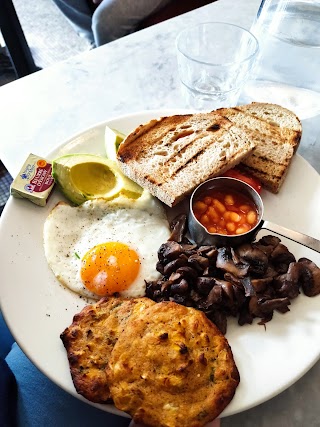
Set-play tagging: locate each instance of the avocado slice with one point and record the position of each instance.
(84, 177)
(112, 140)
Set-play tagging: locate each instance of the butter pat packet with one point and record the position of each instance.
(34, 181)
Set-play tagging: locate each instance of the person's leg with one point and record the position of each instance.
(79, 15)
(8, 393)
(116, 18)
(6, 339)
(42, 403)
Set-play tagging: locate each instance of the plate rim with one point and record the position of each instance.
(155, 113)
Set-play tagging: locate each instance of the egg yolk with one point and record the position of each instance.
(109, 267)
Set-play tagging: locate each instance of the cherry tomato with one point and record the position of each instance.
(236, 173)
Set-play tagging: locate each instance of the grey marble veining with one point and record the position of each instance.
(135, 73)
(138, 72)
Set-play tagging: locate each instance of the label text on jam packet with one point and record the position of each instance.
(34, 181)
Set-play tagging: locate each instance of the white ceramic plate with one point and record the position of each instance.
(37, 309)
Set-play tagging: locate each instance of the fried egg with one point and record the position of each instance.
(103, 247)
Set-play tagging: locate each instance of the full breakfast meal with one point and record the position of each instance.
(152, 337)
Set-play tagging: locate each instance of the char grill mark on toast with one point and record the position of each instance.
(182, 134)
(198, 136)
(183, 150)
(171, 156)
(130, 154)
(215, 127)
(260, 172)
(186, 130)
(194, 160)
(268, 127)
(266, 159)
(292, 135)
(276, 132)
(191, 160)
(175, 138)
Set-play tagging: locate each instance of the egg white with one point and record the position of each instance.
(69, 232)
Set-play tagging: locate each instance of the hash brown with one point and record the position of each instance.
(172, 367)
(89, 341)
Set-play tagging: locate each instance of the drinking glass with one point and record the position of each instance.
(214, 61)
(288, 65)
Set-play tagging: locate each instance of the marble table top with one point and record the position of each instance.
(137, 72)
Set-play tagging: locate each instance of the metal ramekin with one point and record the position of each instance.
(200, 235)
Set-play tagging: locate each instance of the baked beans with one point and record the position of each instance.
(228, 212)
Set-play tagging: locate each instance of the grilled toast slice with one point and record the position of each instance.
(287, 122)
(276, 133)
(172, 155)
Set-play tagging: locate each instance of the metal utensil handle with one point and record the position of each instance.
(303, 239)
